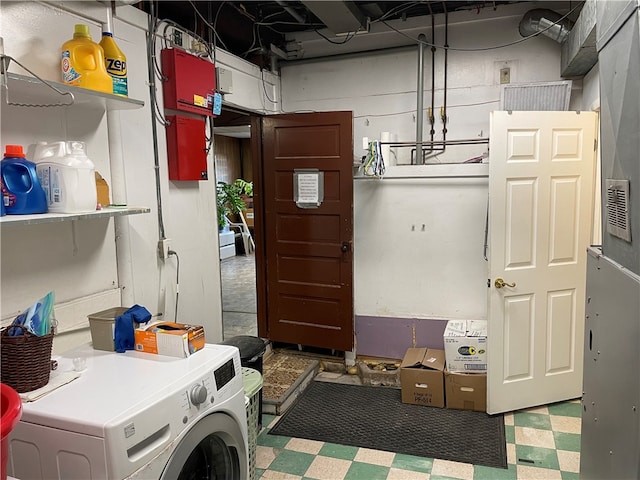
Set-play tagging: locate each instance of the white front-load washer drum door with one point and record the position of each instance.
(212, 449)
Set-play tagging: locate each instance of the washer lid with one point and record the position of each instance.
(115, 385)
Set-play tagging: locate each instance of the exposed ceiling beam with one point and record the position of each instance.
(338, 16)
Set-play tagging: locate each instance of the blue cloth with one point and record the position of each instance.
(124, 337)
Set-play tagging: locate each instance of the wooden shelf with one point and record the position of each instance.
(106, 212)
(26, 89)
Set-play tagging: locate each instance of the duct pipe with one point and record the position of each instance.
(420, 92)
(541, 20)
(290, 11)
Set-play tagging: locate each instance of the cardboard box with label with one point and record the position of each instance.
(465, 345)
(421, 377)
(168, 338)
(466, 391)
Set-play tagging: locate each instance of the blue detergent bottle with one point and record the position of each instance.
(22, 193)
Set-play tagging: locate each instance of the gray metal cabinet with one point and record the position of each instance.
(610, 419)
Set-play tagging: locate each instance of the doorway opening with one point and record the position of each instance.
(234, 176)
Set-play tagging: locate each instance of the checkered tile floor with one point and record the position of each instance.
(542, 443)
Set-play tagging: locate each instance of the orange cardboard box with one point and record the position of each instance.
(168, 338)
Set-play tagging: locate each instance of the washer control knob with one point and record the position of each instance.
(198, 394)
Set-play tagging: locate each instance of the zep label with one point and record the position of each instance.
(117, 68)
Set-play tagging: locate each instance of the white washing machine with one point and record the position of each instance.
(137, 416)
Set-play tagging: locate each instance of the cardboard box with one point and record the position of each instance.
(168, 338)
(465, 345)
(421, 377)
(466, 391)
(248, 217)
(102, 189)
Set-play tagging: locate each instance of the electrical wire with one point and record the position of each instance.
(264, 87)
(413, 111)
(395, 11)
(349, 36)
(208, 24)
(173, 253)
(483, 49)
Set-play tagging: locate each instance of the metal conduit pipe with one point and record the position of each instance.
(542, 20)
(433, 77)
(420, 93)
(446, 63)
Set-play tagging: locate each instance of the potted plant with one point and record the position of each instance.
(229, 199)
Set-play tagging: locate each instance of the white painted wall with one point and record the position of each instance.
(40, 258)
(402, 270)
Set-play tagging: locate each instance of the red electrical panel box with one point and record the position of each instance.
(186, 148)
(190, 82)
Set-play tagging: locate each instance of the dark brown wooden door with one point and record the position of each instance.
(308, 251)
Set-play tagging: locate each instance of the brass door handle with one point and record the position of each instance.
(499, 283)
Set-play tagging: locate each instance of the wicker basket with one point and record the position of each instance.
(26, 359)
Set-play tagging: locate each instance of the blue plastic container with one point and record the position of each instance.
(22, 193)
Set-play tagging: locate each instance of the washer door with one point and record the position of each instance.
(213, 449)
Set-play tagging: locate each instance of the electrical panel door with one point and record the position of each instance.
(186, 148)
(190, 82)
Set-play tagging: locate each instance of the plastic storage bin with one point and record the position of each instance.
(251, 351)
(102, 326)
(11, 413)
(252, 380)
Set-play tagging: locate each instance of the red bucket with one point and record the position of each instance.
(11, 413)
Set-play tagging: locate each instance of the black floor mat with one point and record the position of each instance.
(375, 417)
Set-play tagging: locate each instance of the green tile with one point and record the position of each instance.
(259, 473)
(567, 441)
(295, 463)
(415, 464)
(537, 456)
(510, 433)
(488, 473)
(275, 441)
(366, 471)
(532, 420)
(570, 476)
(333, 450)
(565, 408)
(267, 419)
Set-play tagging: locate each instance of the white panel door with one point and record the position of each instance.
(541, 192)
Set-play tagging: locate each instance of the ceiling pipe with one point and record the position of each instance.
(291, 11)
(541, 20)
(420, 93)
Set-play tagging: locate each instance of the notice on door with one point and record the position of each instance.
(308, 188)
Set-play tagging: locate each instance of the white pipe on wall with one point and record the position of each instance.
(420, 93)
(119, 197)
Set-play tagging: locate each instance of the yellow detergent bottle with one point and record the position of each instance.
(116, 64)
(83, 64)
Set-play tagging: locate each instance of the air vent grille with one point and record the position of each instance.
(541, 96)
(617, 208)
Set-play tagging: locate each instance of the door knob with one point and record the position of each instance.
(345, 247)
(499, 283)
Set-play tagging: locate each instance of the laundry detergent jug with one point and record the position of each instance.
(67, 176)
(82, 62)
(21, 190)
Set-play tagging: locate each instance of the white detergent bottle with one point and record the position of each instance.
(67, 176)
